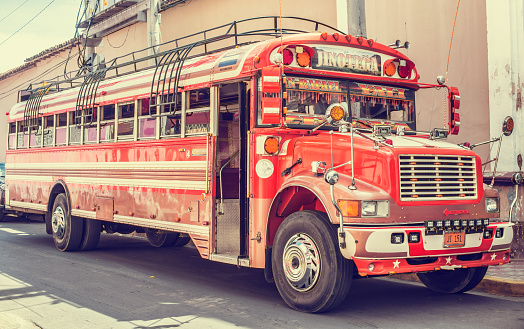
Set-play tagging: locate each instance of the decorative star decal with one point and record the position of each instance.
(396, 264)
(493, 256)
(448, 260)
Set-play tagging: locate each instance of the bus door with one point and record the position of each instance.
(230, 168)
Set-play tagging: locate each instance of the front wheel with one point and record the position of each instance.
(310, 273)
(456, 281)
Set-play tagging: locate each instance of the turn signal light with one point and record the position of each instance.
(337, 113)
(349, 208)
(271, 145)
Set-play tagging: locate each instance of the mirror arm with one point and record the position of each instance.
(496, 162)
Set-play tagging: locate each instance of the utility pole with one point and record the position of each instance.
(351, 17)
(153, 28)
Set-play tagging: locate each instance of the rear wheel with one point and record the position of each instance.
(159, 238)
(310, 273)
(456, 281)
(91, 237)
(67, 230)
(182, 240)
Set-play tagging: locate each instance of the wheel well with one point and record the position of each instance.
(288, 201)
(58, 188)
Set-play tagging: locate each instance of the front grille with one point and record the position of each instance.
(437, 177)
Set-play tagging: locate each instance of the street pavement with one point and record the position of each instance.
(125, 283)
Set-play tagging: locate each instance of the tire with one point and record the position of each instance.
(451, 282)
(159, 238)
(310, 273)
(181, 240)
(91, 236)
(67, 230)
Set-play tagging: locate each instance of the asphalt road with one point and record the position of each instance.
(125, 283)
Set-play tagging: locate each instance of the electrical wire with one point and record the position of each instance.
(451, 41)
(78, 19)
(123, 43)
(13, 11)
(9, 37)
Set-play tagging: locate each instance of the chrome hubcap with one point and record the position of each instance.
(58, 222)
(301, 262)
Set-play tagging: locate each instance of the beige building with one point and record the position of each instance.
(483, 60)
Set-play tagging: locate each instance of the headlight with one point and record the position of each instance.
(492, 205)
(369, 208)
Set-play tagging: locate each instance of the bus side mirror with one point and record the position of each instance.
(507, 126)
(271, 94)
(454, 117)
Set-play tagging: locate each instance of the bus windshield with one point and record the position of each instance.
(308, 100)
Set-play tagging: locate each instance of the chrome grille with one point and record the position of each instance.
(437, 177)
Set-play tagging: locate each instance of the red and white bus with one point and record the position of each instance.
(298, 154)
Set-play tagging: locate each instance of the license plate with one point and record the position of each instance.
(454, 239)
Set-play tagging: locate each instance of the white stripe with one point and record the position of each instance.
(83, 213)
(27, 205)
(30, 178)
(153, 165)
(271, 110)
(132, 182)
(179, 227)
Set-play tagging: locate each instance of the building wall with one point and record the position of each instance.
(427, 25)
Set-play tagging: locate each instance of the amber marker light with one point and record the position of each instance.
(360, 40)
(324, 35)
(303, 59)
(371, 42)
(337, 113)
(349, 208)
(335, 36)
(348, 38)
(271, 145)
(390, 69)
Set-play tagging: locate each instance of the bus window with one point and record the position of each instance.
(61, 129)
(146, 124)
(49, 130)
(170, 125)
(126, 121)
(107, 123)
(12, 135)
(197, 114)
(90, 130)
(74, 129)
(23, 136)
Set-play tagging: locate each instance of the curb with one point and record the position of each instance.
(11, 321)
(490, 284)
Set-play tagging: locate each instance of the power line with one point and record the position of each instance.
(9, 37)
(13, 11)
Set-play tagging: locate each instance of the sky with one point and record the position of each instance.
(53, 26)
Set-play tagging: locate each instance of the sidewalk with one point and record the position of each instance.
(505, 280)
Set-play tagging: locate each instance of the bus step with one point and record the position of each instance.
(229, 259)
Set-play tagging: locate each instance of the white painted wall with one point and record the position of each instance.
(505, 36)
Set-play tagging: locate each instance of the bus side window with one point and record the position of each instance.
(146, 123)
(12, 136)
(90, 130)
(75, 128)
(49, 130)
(126, 121)
(197, 114)
(61, 129)
(23, 136)
(107, 123)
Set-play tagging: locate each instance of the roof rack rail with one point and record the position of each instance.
(171, 59)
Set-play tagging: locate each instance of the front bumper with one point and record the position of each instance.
(373, 245)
